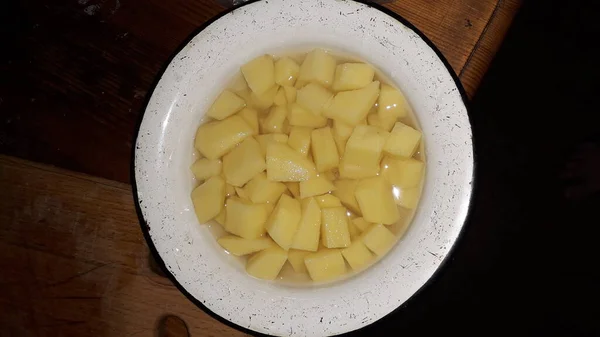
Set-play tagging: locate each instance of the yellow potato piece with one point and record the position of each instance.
(265, 100)
(226, 104)
(384, 123)
(376, 199)
(358, 255)
(245, 219)
(325, 265)
(309, 229)
(318, 67)
(239, 246)
(341, 134)
(298, 116)
(294, 188)
(275, 120)
(260, 73)
(283, 222)
(215, 139)
(334, 227)
(361, 223)
(313, 98)
(315, 186)
(324, 150)
(408, 197)
(241, 192)
(208, 198)
(378, 239)
(351, 107)
(290, 94)
(229, 190)
(391, 103)
(402, 172)
(243, 162)
(239, 83)
(264, 140)
(205, 168)
(352, 76)
(353, 230)
(345, 190)
(250, 116)
(296, 258)
(363, 153)
(403, 141)
(280, 99)
(286, 164)
(328, 201)
(286, 71)
(267, 263)
(261, 190)
(299, 139)
(222, 216)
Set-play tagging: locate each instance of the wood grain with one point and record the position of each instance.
(74, 261)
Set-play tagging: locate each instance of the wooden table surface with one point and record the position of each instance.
(74, 77)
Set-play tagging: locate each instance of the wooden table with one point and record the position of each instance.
(73, 80)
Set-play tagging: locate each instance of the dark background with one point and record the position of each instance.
(527, 262)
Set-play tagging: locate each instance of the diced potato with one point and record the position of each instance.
(299, 139)
(361, 223)
(290, 94)
(215, 139)
(403, 141)
(391, 103)
(353, 230)
(298, 116)
(318, 67)
(296, 258)
(334, 227)
(402, 172)
(286, 164)
(267, 263)
(260, 74)
(243, 162)
(363, 153)
(222, 216)
(376, 200)
(239, 246)
(324, 150)
(241, 192)
(245, 219)
(313, 98)
(286, 71)
(341, 133)
(250, 116)
(261, 190)
(274, 121)
(358, 255)
(265, 100)
(284, 221)
(205, 168)
(331, 175)
(408, 197)
(325, 265)
(280, 99)
(264, 140)
(384, 123)
(351, 107)
(309, 229)
(345, 190)
(352, 76)
(328, 201)
(208, 198)
(229, 190)
(315, 186)
(225, 105)
(239, 83)
(294, 188)
(378, 239)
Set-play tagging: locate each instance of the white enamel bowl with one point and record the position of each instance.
(164, 148)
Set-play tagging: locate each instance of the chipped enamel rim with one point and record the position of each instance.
(164, 147)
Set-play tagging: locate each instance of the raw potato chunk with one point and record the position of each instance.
(261, 190)
(324, 150)
(275, 120)
(208, 198)
(315, 186)
(328, 201)
(241, 192)
(229, 190)
(361, 223)
(402, 172)
(265, 100)
(391, 103)
(260, 74)
(290, 94)
(215, 139)
(384, 123)
(352, 76)
(296, 258)
(280, 99)
(357, 255)
(294, 188)
(299, 139)
(351, 107)
(408, 197)
(205, 168)
(286, 71)
(379, 239)
(264, 140)
(267, 263)
(286, 164)
(341, 134)
(245, 219)
(239, 83)
(313, 98)
(283, 222)
(334, 227)
(318, 67)
(403, 141)
(353, 230)
(309, 229)
(363, 153)
(240, 246)
(376, 200)
(243, 163)
(226, 105)
(298, 116)
(345, 190)
(222, 216)
(325, 265)
(250, 116)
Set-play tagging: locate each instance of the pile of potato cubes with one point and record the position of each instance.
(298, 163)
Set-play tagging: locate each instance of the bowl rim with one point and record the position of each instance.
(145, 227)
